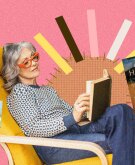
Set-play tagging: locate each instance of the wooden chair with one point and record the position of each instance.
(19, 148)
(74, 144)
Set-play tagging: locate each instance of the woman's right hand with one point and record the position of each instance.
(81, 105)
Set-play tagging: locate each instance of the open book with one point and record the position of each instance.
(100, 96)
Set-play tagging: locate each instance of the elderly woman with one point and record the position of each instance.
(40, 112)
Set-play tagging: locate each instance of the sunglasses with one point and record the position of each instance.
(28, 62)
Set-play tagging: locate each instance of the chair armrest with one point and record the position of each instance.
(72, 144)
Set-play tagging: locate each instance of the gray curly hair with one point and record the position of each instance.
(11, 53)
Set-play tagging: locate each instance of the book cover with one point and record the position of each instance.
(100, 96)
(129, 69)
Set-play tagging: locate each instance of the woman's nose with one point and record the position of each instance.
(34, 63)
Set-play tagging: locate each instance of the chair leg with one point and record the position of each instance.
(6, 149)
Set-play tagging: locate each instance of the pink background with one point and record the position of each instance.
(21, 20)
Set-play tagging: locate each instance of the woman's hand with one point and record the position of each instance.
(81, 105)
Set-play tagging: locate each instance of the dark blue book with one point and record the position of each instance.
(129, 68)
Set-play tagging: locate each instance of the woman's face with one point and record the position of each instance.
(31, 73)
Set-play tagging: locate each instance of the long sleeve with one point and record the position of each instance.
(25, 110)
(69, 108)
(64, 104)
(50, 127)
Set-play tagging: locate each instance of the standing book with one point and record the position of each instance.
(129, 68)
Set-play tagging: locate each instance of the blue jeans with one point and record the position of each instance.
(114, 132)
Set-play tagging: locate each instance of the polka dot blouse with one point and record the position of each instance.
(39, 111)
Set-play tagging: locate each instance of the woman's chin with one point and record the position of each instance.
(36, 73)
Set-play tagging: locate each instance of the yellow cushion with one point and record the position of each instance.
(89, 161)
(1, 49)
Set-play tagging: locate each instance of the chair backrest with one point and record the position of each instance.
(22, 154)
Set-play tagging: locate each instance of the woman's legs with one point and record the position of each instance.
(52, 155)
(118, 124)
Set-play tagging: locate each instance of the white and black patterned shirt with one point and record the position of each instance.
(39, 111)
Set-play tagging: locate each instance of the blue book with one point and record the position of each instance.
(129, 68)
